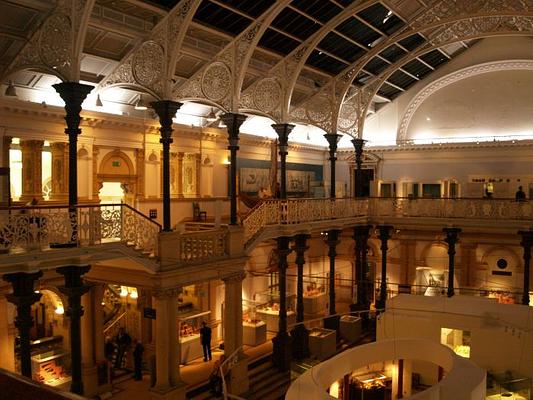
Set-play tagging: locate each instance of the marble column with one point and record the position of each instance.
(282, 340)
(360, 236)
(140, 162)
(451, 239)
(166, 110)
(300, 334)
(233, 331)
(7, 348)
(333, 139)
(74, 288)
(358, 145)
(60, 158)
(469, 264)
(32, 178)
(73, 94)
(332, 241)
(233, 122)
(385, 232)
(526, 243)
(168, 384)
(23, 296)
(88, 336)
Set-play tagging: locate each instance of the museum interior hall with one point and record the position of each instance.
(266, 199)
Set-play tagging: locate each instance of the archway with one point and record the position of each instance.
(116, 178)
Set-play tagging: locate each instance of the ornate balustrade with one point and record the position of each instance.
(40, 227)
(203, 245)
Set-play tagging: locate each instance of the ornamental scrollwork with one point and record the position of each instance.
(318, 108)
(216, 81)
(267, 95)
(55, 43)
(147, 64)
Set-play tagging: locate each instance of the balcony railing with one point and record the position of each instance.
(40, 227)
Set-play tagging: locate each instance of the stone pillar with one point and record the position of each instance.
(23, 296)
(32, 178)
(360, 236)
(88, 338)
(282, 340)
(358, 145)
(527, 242)
(300, 334)
(384, 236)
(198, 174)
(74, 288)
(179, 173)
(407, 261)
(468, 264)
(7, 348)
(140, 156)
(60, 158)
(6, 145)
(96, 184)
(166, 110)
(233, 123)
(332, 139)
(451, 240)
(233, 332)
(283, 131)
(332, 241)
(168, 384)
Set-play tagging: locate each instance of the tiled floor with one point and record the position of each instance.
(192, 374)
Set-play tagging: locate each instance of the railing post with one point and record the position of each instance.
(451, 240)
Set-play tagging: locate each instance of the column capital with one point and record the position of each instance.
(165, 110)
(234, 278)
(283, 131)
(233, 123)
(385, 232)
(73, 94)
(451, 235)
(333, 140)
(362, 230)
(527, 238)
(166, 293)
(22, 283)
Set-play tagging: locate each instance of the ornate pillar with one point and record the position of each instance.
(527, 242)
(166, 110)
(168, 384)
(23, 296)
(233, 332)
(451, 240)
(74, 288)
(282, 340)
(60, 159)
(140, 156)
(360, 236)
(32, 178)
(283, 131)
(233, 123)
(358, 145)
(385, 232)
(300, 334)
(332, 241)
(332, 139)
(73, 94)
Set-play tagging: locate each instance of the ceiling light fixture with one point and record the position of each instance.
(99, 101)
(211, 117)
(11, 91)
(140, 104)
(389, 14)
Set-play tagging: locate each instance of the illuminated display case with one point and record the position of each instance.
(51, 367)
(322, 342)
(315, 298)
(189, 335)
(254, 329)
(508, 385)
(267, 309)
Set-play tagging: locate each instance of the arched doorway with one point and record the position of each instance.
(117, 179)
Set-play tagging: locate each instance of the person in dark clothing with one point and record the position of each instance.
(277, 191)
(205, 337)
(138, 350)
(520, 194)
(123, 341)
(109, 348)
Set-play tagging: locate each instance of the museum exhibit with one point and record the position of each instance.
(266, 199)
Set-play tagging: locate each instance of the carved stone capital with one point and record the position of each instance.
(166, 293)
(234, 278)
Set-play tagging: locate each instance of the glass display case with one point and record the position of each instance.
(508, 385)
(51, 367)
(315, 298)
(189, 325)
(322, 342)
(254, 329)
(267, 309)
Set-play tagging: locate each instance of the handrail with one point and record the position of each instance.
(221, 372)
(107, 328)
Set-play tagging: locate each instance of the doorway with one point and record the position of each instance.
(111, 193)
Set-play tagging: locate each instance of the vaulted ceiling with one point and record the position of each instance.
(347, 45)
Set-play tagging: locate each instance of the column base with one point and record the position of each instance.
(300, 342)
(282, 351)
(239, 382)
(170, 393)
(89, 376)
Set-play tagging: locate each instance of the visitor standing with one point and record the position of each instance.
(138, 350)
(205, 337)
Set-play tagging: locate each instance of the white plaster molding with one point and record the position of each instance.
(456, 76)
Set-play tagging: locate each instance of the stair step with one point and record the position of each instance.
(267, 381)
(274, 388)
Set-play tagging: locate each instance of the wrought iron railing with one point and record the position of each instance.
(40, 227)
(296, 211)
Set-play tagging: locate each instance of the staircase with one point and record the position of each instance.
(266, 382)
